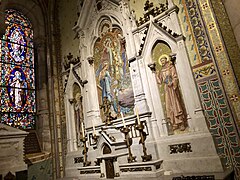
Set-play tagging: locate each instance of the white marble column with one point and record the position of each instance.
(190, 96)
(70, 124)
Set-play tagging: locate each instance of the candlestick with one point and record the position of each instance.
(94, 130)
(123, 119)
(128, 141)
(85, 151)
(83, 133)
(138, 120)
(143, 136)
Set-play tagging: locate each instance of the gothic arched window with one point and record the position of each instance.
(17, 84)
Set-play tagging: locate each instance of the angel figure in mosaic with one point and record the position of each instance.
(173, 101)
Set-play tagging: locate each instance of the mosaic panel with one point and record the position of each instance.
(217, 111)
(219, 120)
(222, 60)
(112, 73)
(204, 71)
(228, 35)
(187, 30)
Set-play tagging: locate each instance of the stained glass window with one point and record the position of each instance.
(17, 83)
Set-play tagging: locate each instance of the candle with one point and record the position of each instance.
(138, 120)
(83, 133)
(94, 131)
(123, 119)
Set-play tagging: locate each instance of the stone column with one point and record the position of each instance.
(103, 169)
(42, 126)
(71, 134)
(137, 71)
(188, 87)
(91, 102)
(139, 94)
(127, 29)
(116, 167)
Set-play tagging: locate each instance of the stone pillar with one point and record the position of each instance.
(138, 78)
(189, 92)
(139, 95)
(173, 17)
(127, 29)
(103, 169)
(71, 133)
(42, 125)
(90, 96)
(116, 167)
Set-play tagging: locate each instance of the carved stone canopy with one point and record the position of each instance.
(69, 59)
(149, 10)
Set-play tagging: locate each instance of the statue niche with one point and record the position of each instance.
(170, 93)
(173, 102)
(78, 111)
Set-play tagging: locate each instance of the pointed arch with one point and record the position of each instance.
(106, 149)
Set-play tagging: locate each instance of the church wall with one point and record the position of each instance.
(207, 74)
(196, 54)
(228, 23)
(68, 15)
(205, 63)
(37, 14)
(232, 8)
(211, 70)
(210, 84)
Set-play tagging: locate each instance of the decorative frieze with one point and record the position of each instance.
(151, 11)
(134, 169)
(199, 32)
(90, 171)
(180, 148)
(78, 160)
(211, 177)
(204, 71)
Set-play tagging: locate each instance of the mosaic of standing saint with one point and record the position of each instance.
(112, 74)
(167, 77)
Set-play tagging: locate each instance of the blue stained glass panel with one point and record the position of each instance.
(17, 100)
(9, 71)
(17, 83)
(23, 56)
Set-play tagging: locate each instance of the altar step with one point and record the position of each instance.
(32, 149)
(36, 157)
